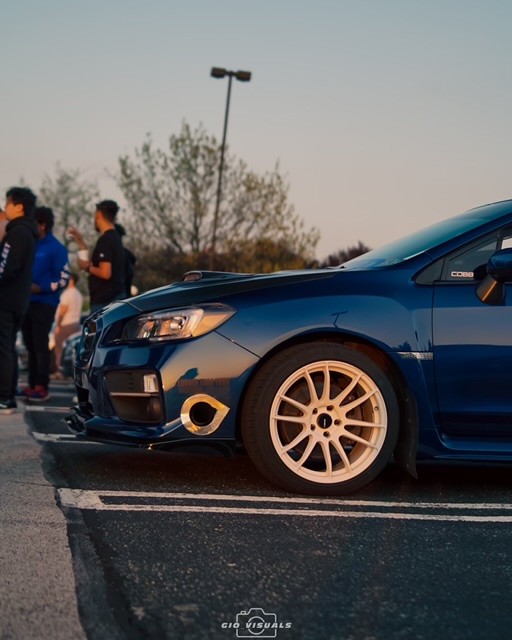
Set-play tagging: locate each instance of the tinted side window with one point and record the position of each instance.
(461, 266)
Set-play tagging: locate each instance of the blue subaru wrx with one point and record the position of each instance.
(322, 375)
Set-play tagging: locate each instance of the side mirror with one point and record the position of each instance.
(499, 271)
(500, 265)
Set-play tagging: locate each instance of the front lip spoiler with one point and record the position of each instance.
(76, 421)
(81, 413)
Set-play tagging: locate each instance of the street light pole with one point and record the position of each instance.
(243, 76)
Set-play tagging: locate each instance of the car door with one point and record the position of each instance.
(472, 348)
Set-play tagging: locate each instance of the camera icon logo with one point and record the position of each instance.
(255, 623)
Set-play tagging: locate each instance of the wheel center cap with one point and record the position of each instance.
(324, 421)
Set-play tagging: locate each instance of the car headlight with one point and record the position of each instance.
(177, 324)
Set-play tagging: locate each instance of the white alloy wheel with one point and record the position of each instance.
(320, 418)
(328, 421)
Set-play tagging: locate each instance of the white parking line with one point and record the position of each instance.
(67, 438)
(41, 408)
(191, 503)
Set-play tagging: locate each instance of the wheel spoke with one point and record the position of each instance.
(327, 384)
(342, 453)
(294, 419)
(366, 443)
(299, 438)
(347, 391)
(324, 444)
(307, 452)
(358, 401)
(364, 423)
(311, 388)
(294, 403)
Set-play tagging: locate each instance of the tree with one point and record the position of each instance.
(343, 255)
(171, 196)
(72, 199)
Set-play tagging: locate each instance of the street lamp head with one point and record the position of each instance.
(243, 76)
(218, 72)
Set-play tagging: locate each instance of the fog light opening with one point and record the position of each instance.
(202, 413)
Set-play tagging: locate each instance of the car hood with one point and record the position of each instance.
(203, 286)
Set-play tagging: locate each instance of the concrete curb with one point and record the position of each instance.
(37, 584)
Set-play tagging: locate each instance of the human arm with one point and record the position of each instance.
(83, 262)
(103, 270)
(53, 271)
(102, 257)
(74, 234)
(14, 253)
(62, 309)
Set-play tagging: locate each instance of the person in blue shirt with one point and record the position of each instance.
(50, 275)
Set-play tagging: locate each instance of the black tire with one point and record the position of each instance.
(350, 432)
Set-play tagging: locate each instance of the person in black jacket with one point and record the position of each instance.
(17, 251)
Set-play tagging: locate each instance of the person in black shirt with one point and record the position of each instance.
(106, 265)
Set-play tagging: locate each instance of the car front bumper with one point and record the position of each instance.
(162, 395)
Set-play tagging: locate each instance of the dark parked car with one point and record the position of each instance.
(68, 357)
(323, 375)
(69, 352)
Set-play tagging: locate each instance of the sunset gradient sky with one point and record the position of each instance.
(385, 115)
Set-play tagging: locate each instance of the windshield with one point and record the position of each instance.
(420, 241)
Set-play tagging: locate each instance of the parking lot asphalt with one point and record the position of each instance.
(37, 585)
(181, 545)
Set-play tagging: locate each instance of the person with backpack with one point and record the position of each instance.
(129, 262)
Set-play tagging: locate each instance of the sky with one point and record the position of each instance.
(385, 115)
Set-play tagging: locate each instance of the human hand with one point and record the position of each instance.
(83, 259)
(73, 234)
